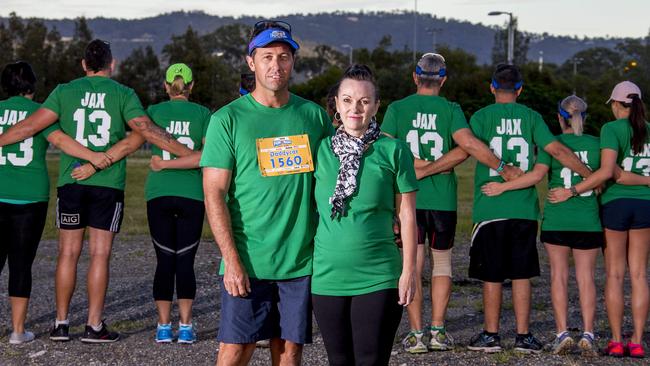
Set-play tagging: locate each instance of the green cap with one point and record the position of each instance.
(181, 70)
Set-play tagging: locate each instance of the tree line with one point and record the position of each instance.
(217, 60)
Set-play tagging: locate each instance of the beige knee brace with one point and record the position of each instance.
(441, 262)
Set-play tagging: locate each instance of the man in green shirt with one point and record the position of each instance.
(94, 110)
(432, 126)
(504, 239)
(257, 177)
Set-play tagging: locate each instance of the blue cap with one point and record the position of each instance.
(442, 72)
(496, 85)
(272, 35)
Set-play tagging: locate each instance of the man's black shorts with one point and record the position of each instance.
(437, 226)
(78, 206)
(504, 249)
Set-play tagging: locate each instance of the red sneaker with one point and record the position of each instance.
(615, 349)
(635, 350)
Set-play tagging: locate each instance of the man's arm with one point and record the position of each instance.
(527, 180)
(158, 136)
(216, 183)
(448, 161)
(466, 140)
(125, 147)
(71, 147)
(565, 156)
(186, 162)
(28, 127)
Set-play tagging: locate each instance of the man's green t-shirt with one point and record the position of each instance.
(188, 123)
(356, 254)
(427, 124)
(273, 217)
(23, 171)
(617, 136)
(512, 131)
(94, 110)
(577, 213)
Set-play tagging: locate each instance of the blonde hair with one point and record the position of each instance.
(576, 107)
(178, 87)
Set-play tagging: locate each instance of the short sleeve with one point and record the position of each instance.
(608, 138)
(219, 149)
(328, 129)
(458, 120)
(389, 125)
(205, 121)
(544, 158)
(542, 136)
(53, 101)
(405, 180)
(476, 125)
(132, 107)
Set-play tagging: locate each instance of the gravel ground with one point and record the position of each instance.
(131, 311)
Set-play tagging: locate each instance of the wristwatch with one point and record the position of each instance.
(574, 191)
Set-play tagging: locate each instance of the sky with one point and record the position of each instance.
(593, 18)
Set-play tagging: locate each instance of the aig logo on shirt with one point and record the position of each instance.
(69, 219)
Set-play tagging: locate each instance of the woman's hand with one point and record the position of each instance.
(157, 163)
(101, 160)
(83, 172)
(557, 195)
(492, 189)
(406, 287)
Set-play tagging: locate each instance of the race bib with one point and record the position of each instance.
(284, 155)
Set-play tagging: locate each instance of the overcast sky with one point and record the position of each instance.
(622, 18)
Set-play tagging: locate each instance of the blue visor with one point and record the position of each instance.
(272, 35)
(242, 91)
(496, 85)
(442, 72)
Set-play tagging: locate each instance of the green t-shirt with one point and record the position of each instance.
(512, 131)
(427, 124)
(577, 213)
(94, 110)
(617, 135)
(356, 254)
(273, 218)
(23, 171)
(188, 123)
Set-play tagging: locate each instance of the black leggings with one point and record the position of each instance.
(175, 224)
(358, 330)
(21, 227)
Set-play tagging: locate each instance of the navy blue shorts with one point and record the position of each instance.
(626, 214)
(273, 309)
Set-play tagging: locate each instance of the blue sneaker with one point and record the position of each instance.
(186, 334)
(164, 333)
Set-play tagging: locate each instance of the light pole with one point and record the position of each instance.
(511, 34)
(576, 61)
(541, 60)
(351, 50)
(434, 33)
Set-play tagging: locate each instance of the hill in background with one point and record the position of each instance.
(360, 30)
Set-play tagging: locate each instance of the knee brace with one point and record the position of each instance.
(441, 263)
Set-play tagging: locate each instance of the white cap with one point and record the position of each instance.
(622, 90)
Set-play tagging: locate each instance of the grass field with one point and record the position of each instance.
(135, 211)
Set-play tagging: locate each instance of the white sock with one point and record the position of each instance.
(589, 334)
(96, 328)
(185, 325)
(58, 322)
(561, 333)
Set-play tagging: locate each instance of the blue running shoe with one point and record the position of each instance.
(164, 333)
(186, 334)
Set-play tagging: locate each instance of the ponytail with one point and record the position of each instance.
(638, 123)
(574, 112)
(178, 87)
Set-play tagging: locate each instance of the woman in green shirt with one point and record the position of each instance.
(625, 157)
(568, 228)
(363, 179)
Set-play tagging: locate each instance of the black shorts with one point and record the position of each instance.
(504, 249)
(437, 226)
(625, 214)
(574, 239)
(78, 206)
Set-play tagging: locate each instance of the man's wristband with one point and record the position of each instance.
(574, 191)
(502, 164)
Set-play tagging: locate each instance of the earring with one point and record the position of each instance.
(337, 116)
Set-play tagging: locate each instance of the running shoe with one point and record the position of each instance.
(485, 342)
(528, 344)
(562, 344)
(586, 345)
(20, 338)
(164, 333)
(635, 350)
(440, 340)
(60, 333)
(615, 349)
(186, 334)
(102, 336)
(414, 342)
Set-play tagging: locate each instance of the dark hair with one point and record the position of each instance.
(98, 55)
(247, 82)
(360, 73)
(18, 78)
(507, 77)
(330, 104)
(638, 123)
(263, 25)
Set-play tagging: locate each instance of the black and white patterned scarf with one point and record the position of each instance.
(349, 150)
